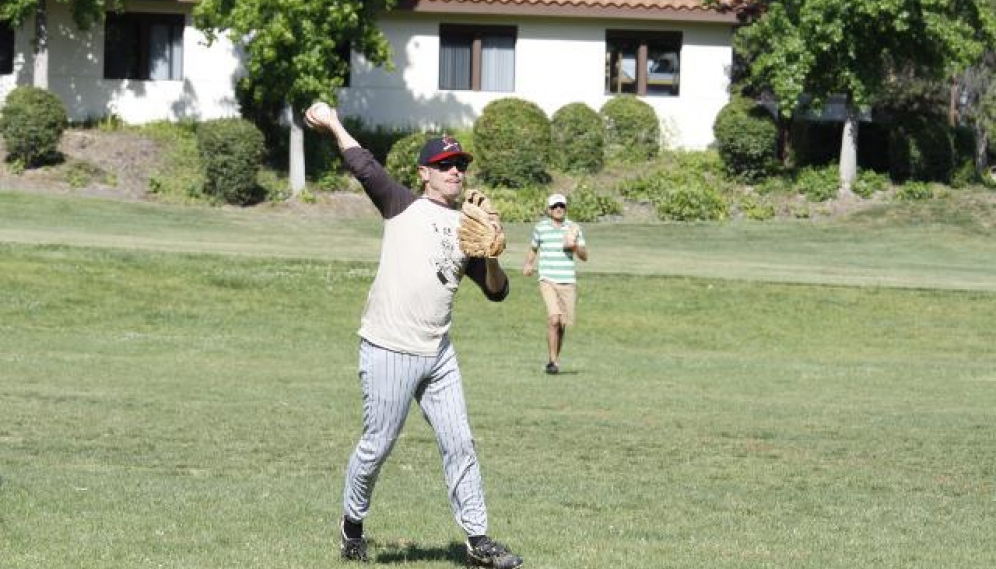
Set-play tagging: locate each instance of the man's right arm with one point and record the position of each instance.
(387, 195)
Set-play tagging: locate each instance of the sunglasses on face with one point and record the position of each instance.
(558, 206)
(445, 165)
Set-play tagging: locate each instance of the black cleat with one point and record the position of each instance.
(490, 553)
(352, 548)
(551, 368)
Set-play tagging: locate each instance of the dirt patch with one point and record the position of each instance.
(119, 165)
(106, 164)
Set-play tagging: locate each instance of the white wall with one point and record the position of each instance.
(557, 62)
(76, 72)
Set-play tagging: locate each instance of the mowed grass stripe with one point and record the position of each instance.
(894, 249)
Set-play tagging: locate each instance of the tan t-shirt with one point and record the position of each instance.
(410, 305)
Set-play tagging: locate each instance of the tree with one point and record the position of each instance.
(976, 96)
(297, 52)
(820, 48)
(85, 14)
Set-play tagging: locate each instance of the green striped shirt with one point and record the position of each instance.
(555, 263)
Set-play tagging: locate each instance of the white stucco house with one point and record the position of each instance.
(451, 58)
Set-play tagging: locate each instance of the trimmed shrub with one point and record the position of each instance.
(512, 143)
(747, 139)
(402, 160)
(578, 136)
(32, 122)
(231, 151)
(632, 129)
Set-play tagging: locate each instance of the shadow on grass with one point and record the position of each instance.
(398, 554)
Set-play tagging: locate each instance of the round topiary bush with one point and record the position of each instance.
(231, 151)
(578, 136)
(747, 139)
(32, 122)
(632, 129)
(402, 159)
(512, 143)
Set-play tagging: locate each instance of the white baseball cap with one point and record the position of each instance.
(556, 199)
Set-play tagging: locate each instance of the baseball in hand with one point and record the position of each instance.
(319, 116)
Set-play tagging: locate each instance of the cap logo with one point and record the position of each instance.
(449, 144)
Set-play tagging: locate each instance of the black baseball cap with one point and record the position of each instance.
(441, 148)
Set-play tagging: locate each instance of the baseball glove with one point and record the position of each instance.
(480, 233)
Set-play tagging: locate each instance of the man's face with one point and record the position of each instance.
(558, 211)
(444, 178)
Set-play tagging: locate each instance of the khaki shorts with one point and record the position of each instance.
(559, 299)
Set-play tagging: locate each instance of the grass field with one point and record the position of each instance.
(177, 389)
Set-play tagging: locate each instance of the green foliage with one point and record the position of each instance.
(231, 151)
(689, 188)
(817, 48)
(519, 205)
(964, 173)
(588, 204)
(747, 139)
(402, 160)
(691, 203)
(180, 176)
(512, 143)
(921, 148)
(32, 122)
(684, 169)
(85, 12)
(754, 207)
(914, 191)
(869, 182)
(632, 129)
(81, 174)
(818, 184)
(578, 138)
(295, 48)
(776, 185)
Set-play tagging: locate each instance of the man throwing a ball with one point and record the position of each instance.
(405, 352)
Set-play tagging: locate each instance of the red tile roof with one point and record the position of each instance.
(680, 9)
(673, 4)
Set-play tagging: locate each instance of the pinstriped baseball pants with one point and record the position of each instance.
(389, 381)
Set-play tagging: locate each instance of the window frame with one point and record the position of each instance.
(642, 42)
(475, 36)
(139, 24)
(6, 49)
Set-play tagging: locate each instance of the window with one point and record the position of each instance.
(6, 49)
(477, 58)
(642, 63)
(144, 46)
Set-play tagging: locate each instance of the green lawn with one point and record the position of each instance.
(177, 389)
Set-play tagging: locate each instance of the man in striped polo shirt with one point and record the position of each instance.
(556, 242)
